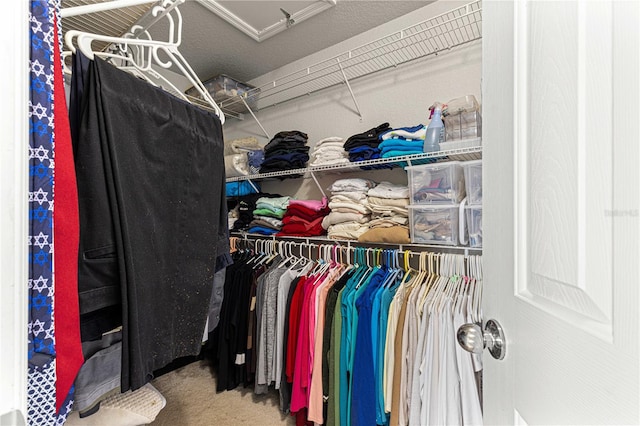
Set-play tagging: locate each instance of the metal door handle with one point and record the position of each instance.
(474, 340)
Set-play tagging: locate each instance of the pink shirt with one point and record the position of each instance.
(315, 390)
(300, 378)
(315, 205)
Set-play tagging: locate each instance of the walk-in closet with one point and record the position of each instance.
(321, 212)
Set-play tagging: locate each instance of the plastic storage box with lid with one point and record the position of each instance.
(437, 183)
(465, 125)
(474, 225)
(473, 181)
(462, 119)
(434, 224)
(225, 91)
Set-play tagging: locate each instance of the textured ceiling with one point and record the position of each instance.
(212, 46)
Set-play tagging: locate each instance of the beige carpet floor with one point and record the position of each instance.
(192, 400)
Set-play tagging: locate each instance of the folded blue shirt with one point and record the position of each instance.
(262, 230)
(394, 153)
(240, 188)
(401, 143)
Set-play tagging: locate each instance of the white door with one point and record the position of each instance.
(561, 161)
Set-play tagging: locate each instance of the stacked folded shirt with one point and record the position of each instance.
(268, 214)
(389, 214)
(364, 146)
(329, 151)
(303, 218)
(402, 141)
(246, 205)
(287, 150)
(350, 212)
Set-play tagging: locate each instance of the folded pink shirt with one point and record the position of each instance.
(315, 205)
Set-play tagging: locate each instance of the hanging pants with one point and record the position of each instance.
(152, 218)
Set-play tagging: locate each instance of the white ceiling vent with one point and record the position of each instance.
(263, 19)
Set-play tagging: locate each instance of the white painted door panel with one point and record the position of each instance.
(560, 95)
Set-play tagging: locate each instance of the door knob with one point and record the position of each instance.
(474, 340)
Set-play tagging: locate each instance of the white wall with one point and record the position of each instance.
(400, 96)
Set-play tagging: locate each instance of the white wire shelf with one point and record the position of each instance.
(324, 239)
(444, 32)
(461, 154)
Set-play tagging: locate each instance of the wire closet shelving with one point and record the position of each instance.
(444, 32)
(464, 154)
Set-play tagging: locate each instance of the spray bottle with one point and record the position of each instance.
(435, 129)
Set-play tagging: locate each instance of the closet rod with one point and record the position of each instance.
(101, 7)
(325, 240)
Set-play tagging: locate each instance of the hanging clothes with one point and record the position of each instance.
(357, 344)
(152, 215)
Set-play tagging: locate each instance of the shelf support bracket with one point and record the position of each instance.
(315, 179)
(346, 80)
(254, 116)
(253, 185)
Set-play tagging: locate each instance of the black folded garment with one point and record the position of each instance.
(286, 149)
(287, 136)
(246, 206)
(364, 138)
(363, 155)
(281, 164)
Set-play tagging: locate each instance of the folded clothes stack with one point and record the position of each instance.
(364, 146)
(287, 150)
(268, 214)
(350, 212)
(303, 218)
(404, 141)
(389, 214)
(329, 151)
(246, 204)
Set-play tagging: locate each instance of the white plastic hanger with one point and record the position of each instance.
(139, 53)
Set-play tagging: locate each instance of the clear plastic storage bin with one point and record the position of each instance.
(463, 125)
(474, 225)
(473, 181)
(225, 90)
(431, 224)
(438, 183)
